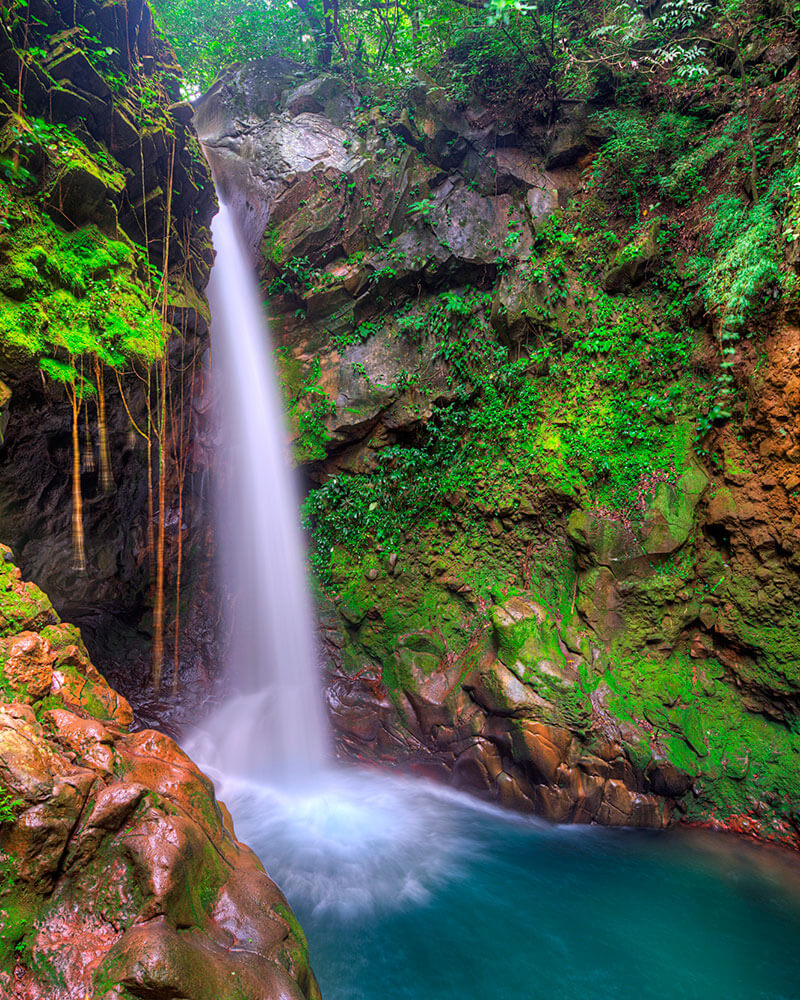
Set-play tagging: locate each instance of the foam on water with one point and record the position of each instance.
(351, 842)
(411, 891)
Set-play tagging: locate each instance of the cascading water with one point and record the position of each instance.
(409, 891)
(274, 721)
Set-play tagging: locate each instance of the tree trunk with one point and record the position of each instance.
(106, 475)
(78, 541)
(161, 432)
(178, 570)
(158, 603)
(151, 547)
(320, 31)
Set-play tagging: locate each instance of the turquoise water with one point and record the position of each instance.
(408, 892)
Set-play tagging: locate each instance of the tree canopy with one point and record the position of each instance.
(553, 49)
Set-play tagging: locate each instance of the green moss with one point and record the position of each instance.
(17, 908)
(294, 954)
(272, 247)
(62, 636)
(22, 607)
(70, 294)
(775, 664)
(742, 763)
(82, 294)
(18, 912)
(205, 887)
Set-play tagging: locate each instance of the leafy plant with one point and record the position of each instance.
(638, 148)
(422, 209)
(310, 411)
(8, 806)
(297, 276)
(741, 275)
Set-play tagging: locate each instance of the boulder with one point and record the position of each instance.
(28, 666)
(669, 521)
(603, 540)
(326, 95)
(67, 61)
(121, 876)
(501, 692)
(82, 193)
(573, 138)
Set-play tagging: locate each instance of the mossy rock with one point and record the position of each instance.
(23, 606)
(634, 261)
(691, 726)
(84, 192)
(602, 540)
(670, 519)
(501, 692)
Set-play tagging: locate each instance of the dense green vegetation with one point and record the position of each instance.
(564, 420)
(101, 193)
(610, 399)
(618, 389)
(73, 294)
(556, 51)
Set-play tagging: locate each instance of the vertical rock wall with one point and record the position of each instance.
(100, 151)
(595, 620)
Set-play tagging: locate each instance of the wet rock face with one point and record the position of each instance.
(751, 517)
(122, 877)
(347, 210)
(509, 721)
(125, 109)
(588, 663)
(650, 679)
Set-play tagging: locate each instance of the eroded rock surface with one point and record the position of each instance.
(509, 720)
(348, 211)
(122, 876)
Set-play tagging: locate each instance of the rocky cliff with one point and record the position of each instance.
(541, 378)
(100, 172)
(121, 874)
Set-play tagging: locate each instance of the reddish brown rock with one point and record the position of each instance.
(122, 877)
(28, 667)
(87, 738)
(542, 748)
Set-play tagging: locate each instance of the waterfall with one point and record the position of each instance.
(339, 837)
(274, 720)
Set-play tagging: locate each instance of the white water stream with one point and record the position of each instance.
(339, 838)
(274, 722)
